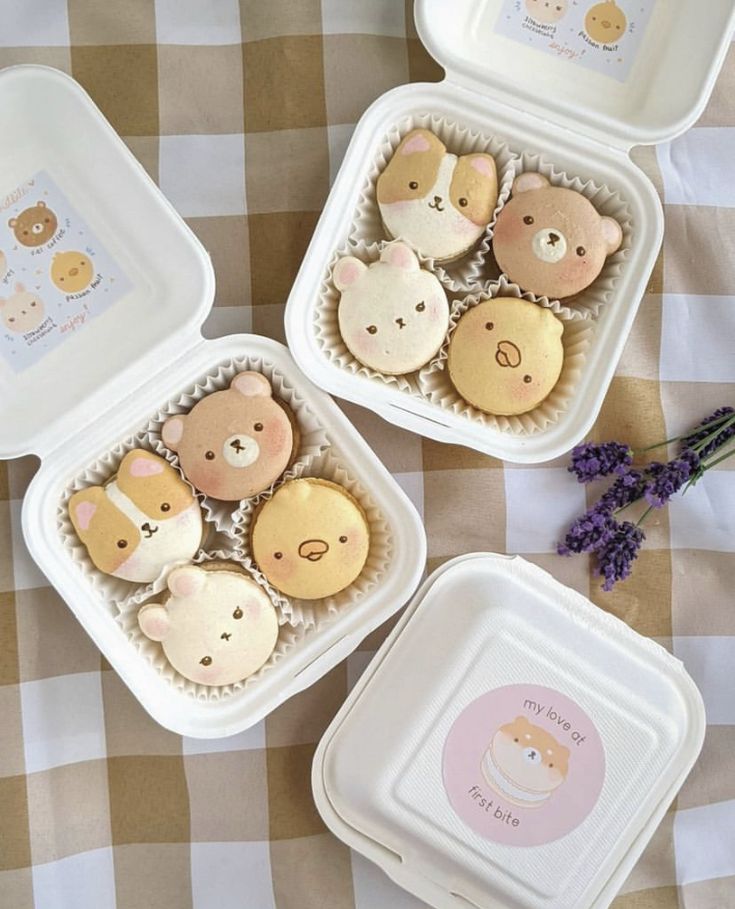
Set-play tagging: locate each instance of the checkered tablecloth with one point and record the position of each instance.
(241, 113)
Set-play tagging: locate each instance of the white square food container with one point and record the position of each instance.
(104, 381)
(584, 123)
(510, 746)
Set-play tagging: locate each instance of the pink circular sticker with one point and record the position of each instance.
(523, 765)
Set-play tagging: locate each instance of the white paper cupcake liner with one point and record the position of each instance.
(317, 613)
(127, 616)
(313, 439)
(326, 322)
(367, 227)
(100, 472)
(436, 385)
(587, 303)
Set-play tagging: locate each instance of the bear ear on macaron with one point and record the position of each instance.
(347, 271)
(400, 256)
(612, 234)
(252, 385)
(172, 431)
(154, 621)
(186, 581)
(529, 181)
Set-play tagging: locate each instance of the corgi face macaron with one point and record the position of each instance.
(393, 315)
(235, 443)
(145, 518)
(437, 202)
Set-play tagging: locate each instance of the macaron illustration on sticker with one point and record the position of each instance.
(605, 22)
(547, 11)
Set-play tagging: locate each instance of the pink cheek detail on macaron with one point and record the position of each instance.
(253, 611)
(274, 438)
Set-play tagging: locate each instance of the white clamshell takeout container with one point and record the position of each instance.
(439, 766)
(583, 125)
(105, 382)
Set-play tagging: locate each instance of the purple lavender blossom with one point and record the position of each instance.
(667, 479)
(590, 460)
(593, 529)
(626, 489)
(706, 429)
(615, 560)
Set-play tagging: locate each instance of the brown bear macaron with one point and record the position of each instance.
(550, 240)
(235, 443)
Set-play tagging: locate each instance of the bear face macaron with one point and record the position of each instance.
(393, 314)
(217, 626)
(506, 355)
(310, 539)
(144, 519)
(550, 240)
(235, 443)
(439, 203)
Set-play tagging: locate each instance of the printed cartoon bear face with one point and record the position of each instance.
(525, 763)
(143, 520)
(437, 202)
(34, 226)
(393, 315)
(217, 625)
(547, 11)
(605, 22)
(71, 271)
(22, 311)
(235, 443)
(550, 240)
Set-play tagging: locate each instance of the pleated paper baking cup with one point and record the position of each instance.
(326, 320)
(588, 302)
(99, 473)
(436, 385)
(316, 613)
(367, 227)
(289, 634)
(312, 442)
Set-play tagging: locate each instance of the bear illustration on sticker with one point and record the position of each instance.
(550, 240)
(234, 443)
(439, 203)
(34, 226)
(547, 11)
(144, 519)
(22, 311)
(524, 764)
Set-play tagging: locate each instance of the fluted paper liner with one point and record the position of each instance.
(588, 302)
(326, 321)
(367, 226)
(313, 438)
(315, 613)
(127, 616)
(437, 386)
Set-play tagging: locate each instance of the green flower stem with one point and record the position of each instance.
(713, 435)
(727, 418)
(645, 514)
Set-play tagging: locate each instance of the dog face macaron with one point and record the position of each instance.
(310, 539)
(436, 201)
(145, 518)
(393, 315)
(235, 443)
(217, 626)
(550, 240)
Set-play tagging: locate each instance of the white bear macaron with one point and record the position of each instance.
(217, 626)
(393, 315)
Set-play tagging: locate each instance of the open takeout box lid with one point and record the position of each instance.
(510, 744)
(143, 283)
(624, 71)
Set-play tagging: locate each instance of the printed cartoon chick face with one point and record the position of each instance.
(22, 311)
(605, 22)
(71, 271)
(35, 225)
(524, 763)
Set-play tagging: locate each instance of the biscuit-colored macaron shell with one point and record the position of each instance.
(310, 539)
(506, 355)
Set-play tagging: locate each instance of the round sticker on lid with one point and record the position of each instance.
(523, 765)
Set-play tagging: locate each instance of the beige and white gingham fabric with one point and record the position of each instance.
(241, 112)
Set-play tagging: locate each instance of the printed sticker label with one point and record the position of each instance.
(55, 275)
(523, 765)
(604, 36)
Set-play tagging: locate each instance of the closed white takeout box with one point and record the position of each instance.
(533, 98)
(93, 367)
(510, 746)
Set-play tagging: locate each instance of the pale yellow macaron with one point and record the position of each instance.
(310, 539)
(506, 355)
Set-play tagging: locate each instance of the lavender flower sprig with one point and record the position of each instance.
(615, 544)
